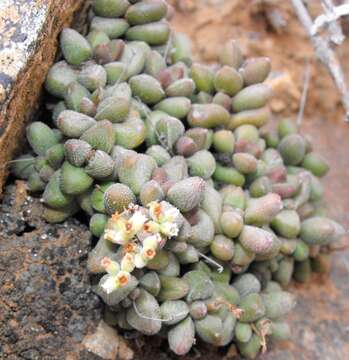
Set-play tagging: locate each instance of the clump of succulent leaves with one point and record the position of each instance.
(203, 213)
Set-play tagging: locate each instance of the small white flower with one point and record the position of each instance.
(110, 266)
(152, 227)
(139, 261)
(132, 248)
(116, 236)
(170, 215)
(137, 220)
(127, 263)
(148, 253)
(115, 277)
(123, 277)
(110, 284)
(164, 221)
(152, 242)
(121, 230)
(155, 210)
(169, 229)
(109, 234)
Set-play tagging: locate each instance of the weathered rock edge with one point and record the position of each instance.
(28, 45)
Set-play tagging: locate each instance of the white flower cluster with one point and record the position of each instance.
(123, 228)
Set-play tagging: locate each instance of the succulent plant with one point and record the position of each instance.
(203, 213)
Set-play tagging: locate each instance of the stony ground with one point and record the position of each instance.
(46, 308)
(46, 305)
(265, 28)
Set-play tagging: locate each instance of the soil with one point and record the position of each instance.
(46, 304)
(320, 322)
(264, 28)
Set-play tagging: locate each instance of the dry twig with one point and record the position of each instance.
(329, 20)
(322, 47)
(307, 77)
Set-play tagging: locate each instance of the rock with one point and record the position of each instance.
(107, 344)
(28, 47)
(288, 96)
(47, 306)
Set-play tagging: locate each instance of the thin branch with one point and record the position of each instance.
(324, 53)
(329, 19)
(168, 46)
(98, 187)
(211, 261)
(16, 161)
(170, 318)
(307, 77)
